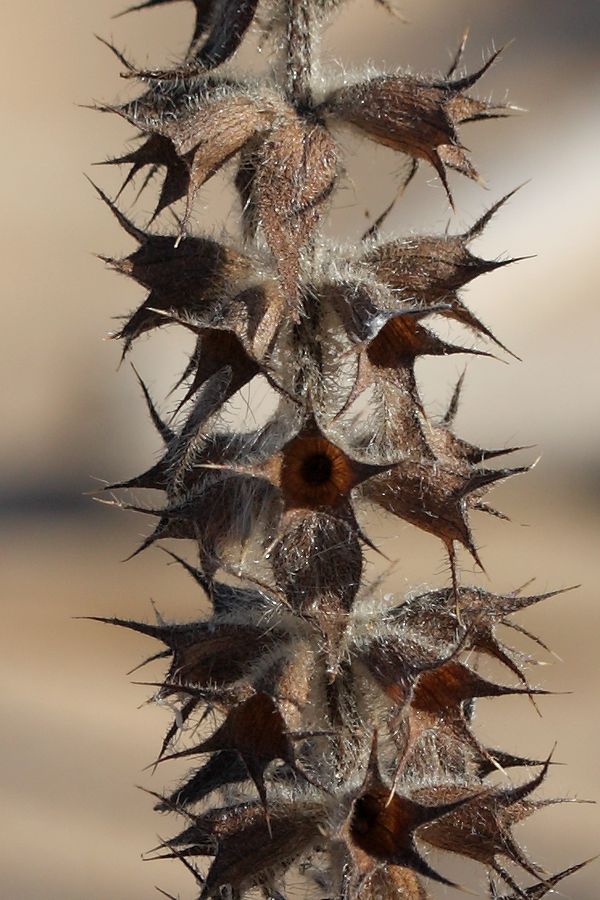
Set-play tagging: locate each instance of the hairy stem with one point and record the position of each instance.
(298, 52)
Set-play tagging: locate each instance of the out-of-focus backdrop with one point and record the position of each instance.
(73, 739)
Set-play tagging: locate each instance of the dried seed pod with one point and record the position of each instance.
(382, 826)
(429, 271)
(436, 496)
(206, 652)
(256, 731)
(295, 170)
(481, 828)
(206, 122)
(416, 116)
(270, 845)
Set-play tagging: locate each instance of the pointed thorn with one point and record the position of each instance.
(198, 576)
(450, 414)
(440, 168)
(483, 478)
(468, 81)
(476, 229)
(131, 229)
(113, 49)
(160, 655)
(156, 888)
(155, 536)
(137, 7)
(459, 53)
(154, 631)
(374, 229)
(166, 433)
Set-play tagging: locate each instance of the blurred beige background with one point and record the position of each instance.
(73, 741)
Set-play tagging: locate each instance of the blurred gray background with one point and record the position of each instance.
(74, 742)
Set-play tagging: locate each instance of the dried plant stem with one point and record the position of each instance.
(330, 727)
(298, 54)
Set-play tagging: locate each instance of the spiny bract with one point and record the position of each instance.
(336, 743)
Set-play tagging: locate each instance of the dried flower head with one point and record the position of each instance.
(330, 729)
